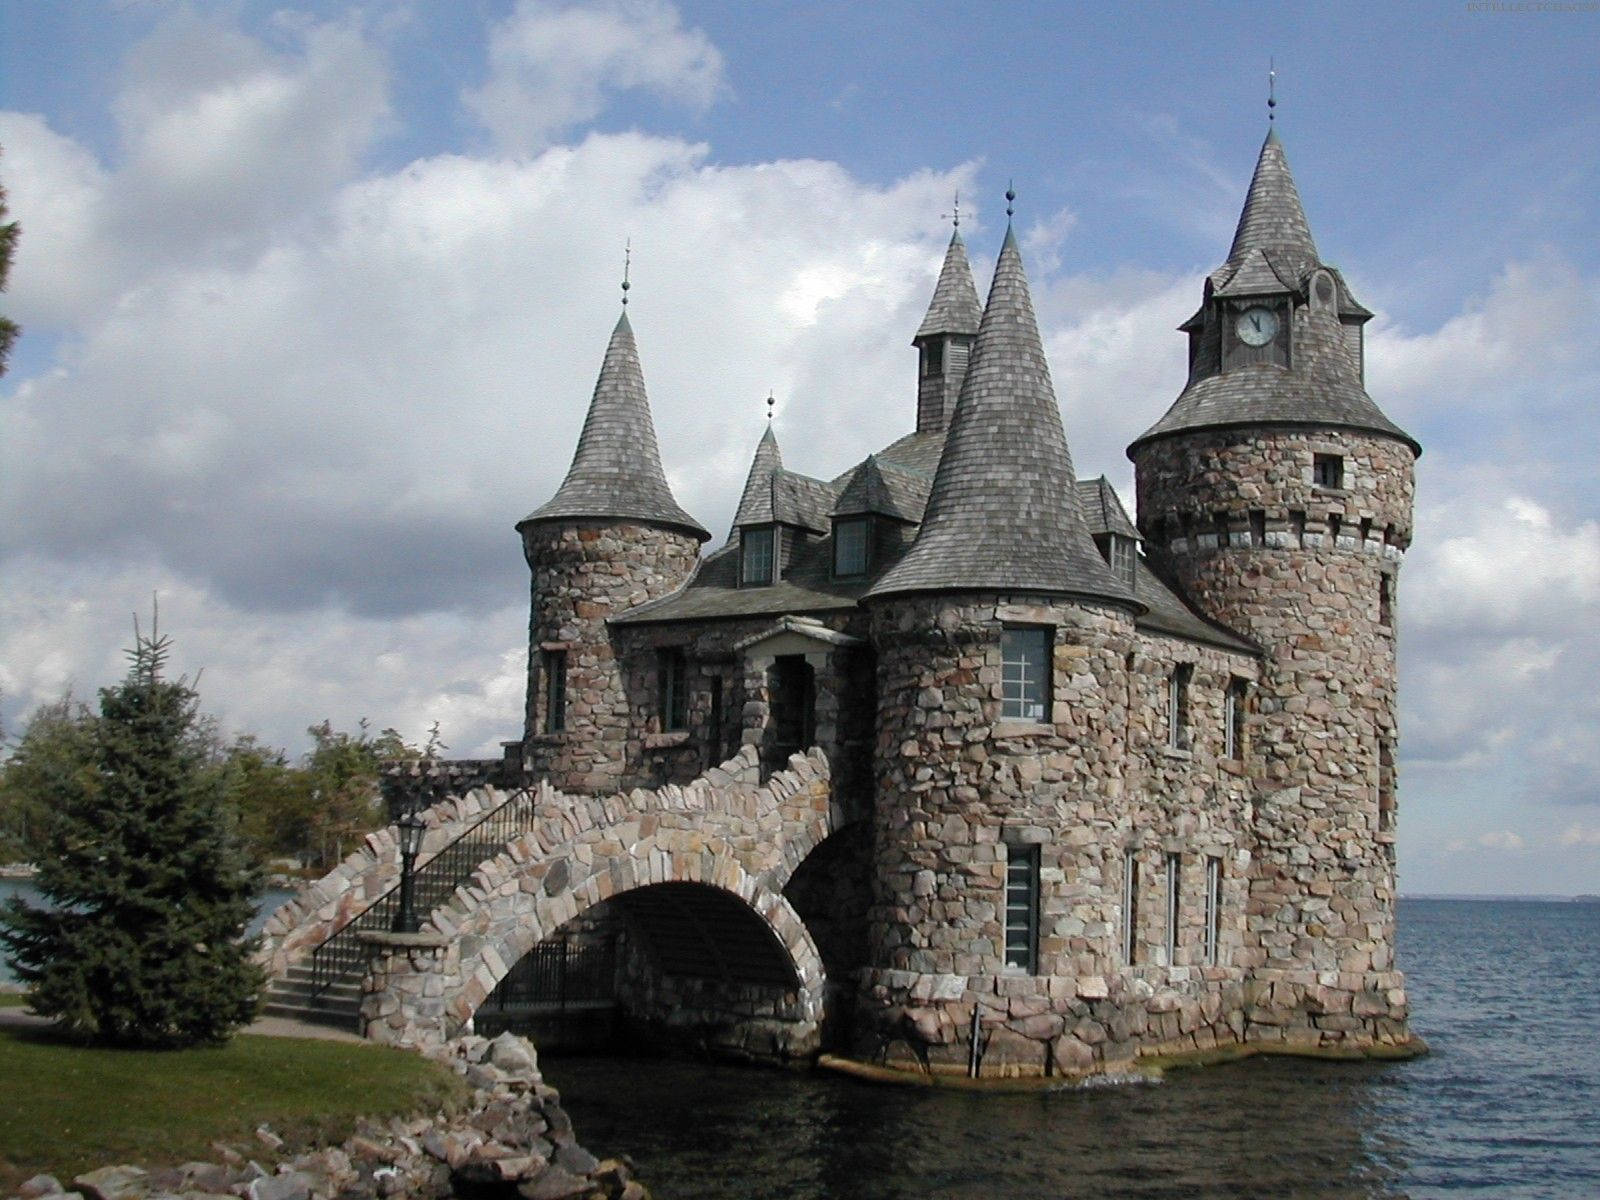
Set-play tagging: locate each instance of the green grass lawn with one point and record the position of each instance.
(12, 1000)
(69, 1108)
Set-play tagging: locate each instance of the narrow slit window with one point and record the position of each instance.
(1177, 706)
(673, 680)
(1213, 909)
(1174, 906)
(1385, 599)
(1233, 708)
(1022, 907)
(555, 691)
(1130, 907)
(1025, 673)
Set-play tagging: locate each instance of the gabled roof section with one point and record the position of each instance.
(616, 472)
(774, 495)
(1102, 509)
(954, 308)
(879, 486)
(1273, 220)
(1003, 512)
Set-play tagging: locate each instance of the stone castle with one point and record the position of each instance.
(1086, 755)
(1096, 786)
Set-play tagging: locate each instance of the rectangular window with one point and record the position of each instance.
(1233, 720)
(755, 563)
(1174, 907)
(850, 547)
(673, 682)
(933, 358)
(555, 690)
(1177, 706)
(1130, 907)
(1123, 558)
(1022, 907)
(1213, 908)
(1327, 470)
(1025, 673)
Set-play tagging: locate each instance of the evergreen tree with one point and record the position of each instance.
(148, 887)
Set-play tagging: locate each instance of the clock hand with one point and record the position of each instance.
(1256, 321)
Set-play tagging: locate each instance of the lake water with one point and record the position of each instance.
(1507, 1105)
(269, 902)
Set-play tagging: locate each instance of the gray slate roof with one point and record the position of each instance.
(1102, 509)
(954, 308)
(880, 486)
(1003, 512)
(616, 471)
(772, 494)
(1273, 252)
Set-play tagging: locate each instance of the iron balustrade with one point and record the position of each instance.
(342, 955)
(558, 972)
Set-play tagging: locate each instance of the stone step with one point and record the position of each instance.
(338, 1018)
(341, 994)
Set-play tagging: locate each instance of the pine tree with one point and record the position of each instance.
(148, 887)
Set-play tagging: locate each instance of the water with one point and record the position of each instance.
(1507, 1106)
(269, 902)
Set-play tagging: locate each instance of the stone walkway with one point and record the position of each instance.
(16, 1018)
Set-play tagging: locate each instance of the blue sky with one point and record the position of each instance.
(314, 295)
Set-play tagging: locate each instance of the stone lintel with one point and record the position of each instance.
(425, 940)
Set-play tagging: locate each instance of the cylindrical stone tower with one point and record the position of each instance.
(610, 539)
(1280, 497)
(1001, 638)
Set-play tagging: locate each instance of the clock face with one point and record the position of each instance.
(1257, 325)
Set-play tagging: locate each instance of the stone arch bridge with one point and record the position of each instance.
(700, 868)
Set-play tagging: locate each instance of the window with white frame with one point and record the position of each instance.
(1022, 907)
(1213, 908)
(1025, 673)
(1177, 706)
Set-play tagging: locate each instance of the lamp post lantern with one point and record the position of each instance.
(411, 826)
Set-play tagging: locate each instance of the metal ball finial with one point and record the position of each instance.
(1011, 196)
(627, 262)
(771, 400)
(1272, 91)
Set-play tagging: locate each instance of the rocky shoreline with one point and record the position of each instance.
(513, 1142)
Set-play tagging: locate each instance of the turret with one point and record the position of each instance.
(611, 538)
(1001, 636)
(1280, 497)
(944, 340)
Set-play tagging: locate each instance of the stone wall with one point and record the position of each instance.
(1310, 572)
(583, 574)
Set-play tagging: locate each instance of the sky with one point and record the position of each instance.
(314, 296)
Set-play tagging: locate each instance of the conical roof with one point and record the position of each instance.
(616, 472)
(954, 308)
(1003, 512)
(755, 502)
(1273, 220)
(1273, 253)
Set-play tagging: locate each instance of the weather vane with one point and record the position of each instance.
(627, 262)
(954, 215)
(1272, 91)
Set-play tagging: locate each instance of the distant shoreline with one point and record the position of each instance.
(1542, 898)
(18, 870)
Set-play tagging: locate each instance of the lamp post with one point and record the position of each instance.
(411, 826)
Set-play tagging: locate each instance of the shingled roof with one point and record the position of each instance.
(616, 471)
(1003, 513)
(1273, 252)
(954, 308)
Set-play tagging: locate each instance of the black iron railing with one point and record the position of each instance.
(556, 973)
(342, 955)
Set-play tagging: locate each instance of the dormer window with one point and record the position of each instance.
(756, 556)
(850, 547)
(1121, 556)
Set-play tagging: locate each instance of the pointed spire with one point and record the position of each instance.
(1003, 514)
(755, 502)
(616, 472)
(954, 308)
(1273, 220)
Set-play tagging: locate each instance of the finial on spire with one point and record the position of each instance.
(954, 215)
(770, 402)
(1272, 91)
(627, 262)
(1011, 196)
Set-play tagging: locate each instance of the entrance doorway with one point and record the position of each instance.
(794, 705)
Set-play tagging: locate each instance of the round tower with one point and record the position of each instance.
(1280, 497)
(612, 538)
(1001, 637)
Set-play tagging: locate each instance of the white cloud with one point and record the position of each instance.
(553, 66)
(1579, 835)
(1500, 839)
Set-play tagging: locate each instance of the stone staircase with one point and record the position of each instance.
(294, 996)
